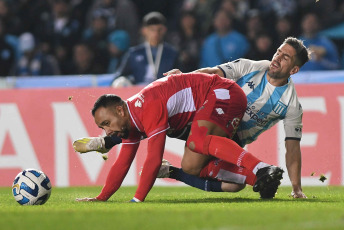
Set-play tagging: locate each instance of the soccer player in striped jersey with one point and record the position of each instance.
(271, 97)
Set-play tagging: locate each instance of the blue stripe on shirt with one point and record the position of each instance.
(242, 81)
(267, 108)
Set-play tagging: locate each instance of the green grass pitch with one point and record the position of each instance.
(177, 208)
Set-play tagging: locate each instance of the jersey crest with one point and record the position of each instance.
(279, 108)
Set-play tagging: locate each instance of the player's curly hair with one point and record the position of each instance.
(107, 100)
(302, 52)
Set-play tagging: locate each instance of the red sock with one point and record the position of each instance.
(224, 171)
(227, 150)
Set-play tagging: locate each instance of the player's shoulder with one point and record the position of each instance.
(254, 65)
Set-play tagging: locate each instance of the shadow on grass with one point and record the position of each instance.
(234, 200)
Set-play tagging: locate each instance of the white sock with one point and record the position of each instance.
(259, 166)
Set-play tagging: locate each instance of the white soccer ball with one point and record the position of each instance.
(31, 187)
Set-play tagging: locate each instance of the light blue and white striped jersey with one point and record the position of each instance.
(266, 104)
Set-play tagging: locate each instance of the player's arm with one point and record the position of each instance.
(293, 162)
(211, 70)
(208, 70)
(156, 146)
(293, 132)
(117, 172)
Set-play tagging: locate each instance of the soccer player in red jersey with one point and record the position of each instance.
(213, 105)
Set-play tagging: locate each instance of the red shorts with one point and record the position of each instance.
(224, 106)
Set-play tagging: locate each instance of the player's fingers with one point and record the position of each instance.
(173, 71)
(299, 195)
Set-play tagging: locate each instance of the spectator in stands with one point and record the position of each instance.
(7, 53)
(263, 48)
(148, 61)
(225, 44)
(204, 10)
(83, 61)
(120, 14)
(278, 8)
(33, 62)
(10, 20)
(187, 40)
(33, 15)
(238, 14)
(324, 53)
(61, 32)
(118, 44)
(284, 28)
(254, 25)
(96, 36)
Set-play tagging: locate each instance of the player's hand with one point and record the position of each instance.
(298, 194)
(173, 71)
(86, 199)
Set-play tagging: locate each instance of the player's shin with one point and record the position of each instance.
(227, 172)
(227, 150)
(194, 181)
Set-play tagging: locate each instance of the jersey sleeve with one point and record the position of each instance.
(155, 123)
(156, 146)
(155, 118)
(293, 121)
(236, 69)
(118, 170)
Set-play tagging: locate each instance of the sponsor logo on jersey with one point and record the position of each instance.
(253, 115)
(228, 66)
(138, 103)
(235, 123)
(298, 129)
(219, 111)
(279, 108)
(250, 84)
(140, 100)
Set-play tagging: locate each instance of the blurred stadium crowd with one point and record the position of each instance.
(75, 37)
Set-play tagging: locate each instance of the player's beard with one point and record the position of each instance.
(125, 133)
(275, 75)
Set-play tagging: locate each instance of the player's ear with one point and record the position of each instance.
(294, 70)
(119, 110)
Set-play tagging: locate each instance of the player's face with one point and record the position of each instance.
(113, 120)
(283, 63)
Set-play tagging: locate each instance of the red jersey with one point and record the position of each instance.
(168, 103)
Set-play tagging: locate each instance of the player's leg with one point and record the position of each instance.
(205, 184)
(193, 162)
(226, 172)
(227, 150)
(207, 138)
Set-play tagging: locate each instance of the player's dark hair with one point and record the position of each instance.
(107, 100)
(302, 53)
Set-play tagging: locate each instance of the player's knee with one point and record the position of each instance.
(230, 187)
(190, 168)
(197, 138)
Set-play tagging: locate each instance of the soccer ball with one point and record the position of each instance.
(31, 187)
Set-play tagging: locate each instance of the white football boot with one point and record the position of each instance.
(89, 144)
(164, 171)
